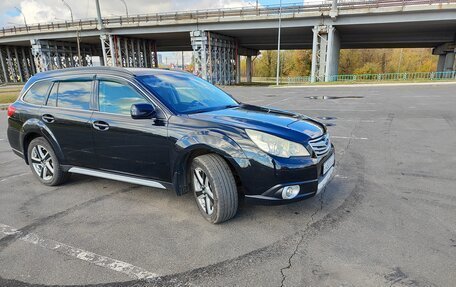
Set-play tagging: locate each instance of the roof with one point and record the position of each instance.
(112, 70)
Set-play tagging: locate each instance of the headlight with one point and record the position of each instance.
(276, 146)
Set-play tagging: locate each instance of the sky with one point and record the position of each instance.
(39, 11)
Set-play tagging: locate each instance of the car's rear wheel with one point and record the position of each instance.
(214, 188)
(44, 163)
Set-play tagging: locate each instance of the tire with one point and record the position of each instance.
(217, 179)
(41, 154)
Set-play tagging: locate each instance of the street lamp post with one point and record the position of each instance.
(78, 42)
(126, 8)
(69, 8)
(20, 11)
(278, 44)
(99, 17)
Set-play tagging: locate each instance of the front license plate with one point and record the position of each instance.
(328, 164)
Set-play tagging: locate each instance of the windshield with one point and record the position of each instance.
(185, 94)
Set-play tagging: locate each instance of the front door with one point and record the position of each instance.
(132, 146)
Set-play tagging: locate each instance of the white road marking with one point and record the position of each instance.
(355, 138)
(10, 161)
(13, 176)
(87, 256)
(253, 101)
(341, 176)
(2, 140)
(276, 102)
(351, 120)
(336, 110)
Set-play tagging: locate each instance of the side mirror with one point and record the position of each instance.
(142, 111)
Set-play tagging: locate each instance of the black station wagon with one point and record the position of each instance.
(170, 130)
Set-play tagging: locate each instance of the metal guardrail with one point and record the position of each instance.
(265, 10)
(395, 77)
(429, 76)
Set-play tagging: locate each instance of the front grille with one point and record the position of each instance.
(321, 145)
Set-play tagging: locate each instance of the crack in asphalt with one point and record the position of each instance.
(249, 259)
(308, 225)
(284, 277)
(311, 221)
(9, 239)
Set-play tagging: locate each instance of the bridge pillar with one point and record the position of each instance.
(441, 63)
(16, 64)
(119, 51)
(446, 54)
(325, 53)
(216, 57)
(333, 52)
(52, 55)
(248, 69)
(449, 65)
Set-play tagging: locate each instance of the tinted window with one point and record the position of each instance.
(52, 99)
(37, 93)
(117, 98)
(185, 93)
(74, 95)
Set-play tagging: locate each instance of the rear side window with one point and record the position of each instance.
(117, 98)
(37, 93)
(72, 95)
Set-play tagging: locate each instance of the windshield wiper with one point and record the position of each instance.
(211, 109)
(197, 111)
(230, 106)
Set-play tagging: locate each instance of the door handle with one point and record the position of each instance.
(48, 118)
(100, 125)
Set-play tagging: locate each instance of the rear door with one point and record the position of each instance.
(67, 114)
(27, 108)
(132, 146)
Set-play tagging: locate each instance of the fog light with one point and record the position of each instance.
(290, 192)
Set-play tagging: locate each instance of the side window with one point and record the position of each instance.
(37, 93)
(52, 99)
(74, 94)
(117, 98)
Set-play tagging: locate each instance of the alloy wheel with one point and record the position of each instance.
(42, 162)
(203, 191)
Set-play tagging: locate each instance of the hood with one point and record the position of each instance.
(280, 123)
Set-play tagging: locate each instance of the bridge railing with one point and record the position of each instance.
(395, 77)
(359, 78)
(264, 10)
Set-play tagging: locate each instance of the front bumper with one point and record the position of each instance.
(308, 187)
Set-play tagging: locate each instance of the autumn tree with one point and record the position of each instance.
(352, 61)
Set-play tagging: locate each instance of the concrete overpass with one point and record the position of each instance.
(219, 37)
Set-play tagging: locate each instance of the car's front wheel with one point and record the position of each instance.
(214, 188)
(44, 163)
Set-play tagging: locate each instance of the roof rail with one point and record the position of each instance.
(88, 69)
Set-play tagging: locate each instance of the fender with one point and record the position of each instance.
(37, 126)
(211, 140)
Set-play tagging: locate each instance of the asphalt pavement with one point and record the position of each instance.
(388, 217)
